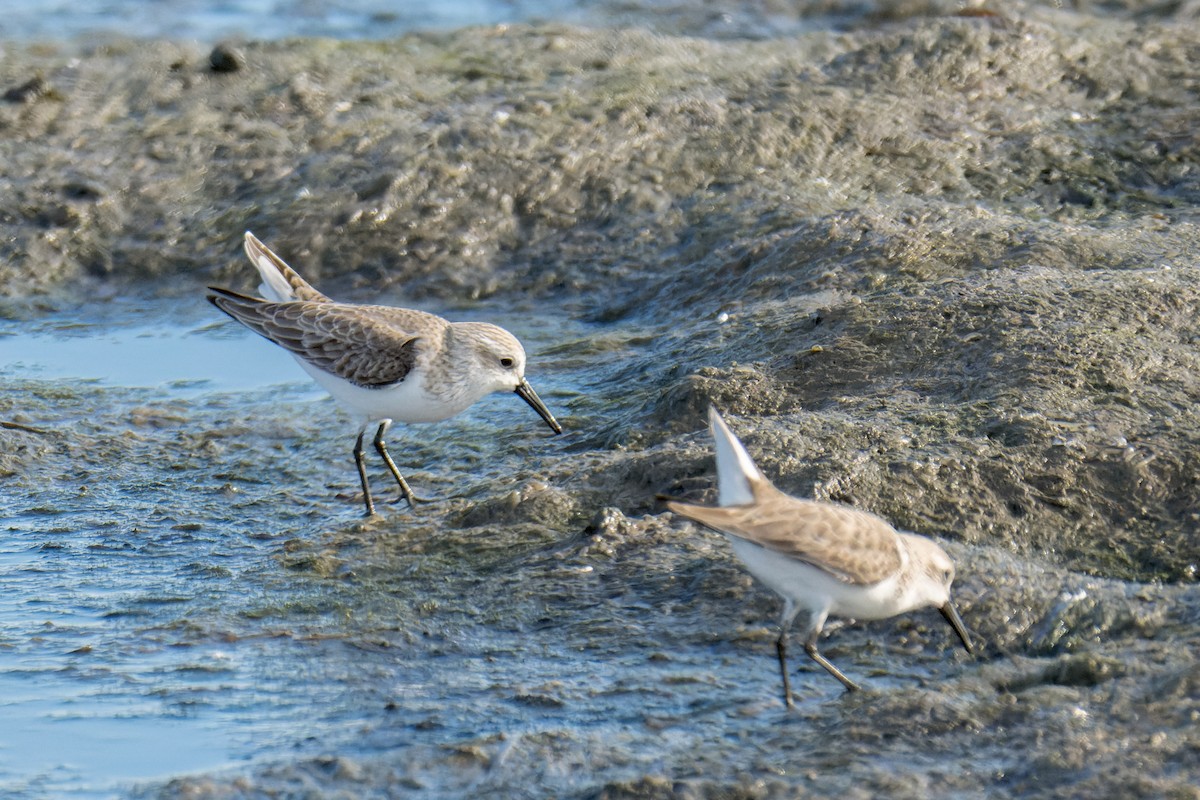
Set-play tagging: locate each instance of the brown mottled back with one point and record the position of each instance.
(352, 342)
(854, 546)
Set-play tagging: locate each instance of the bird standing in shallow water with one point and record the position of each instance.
(384, 364)
(820, 557)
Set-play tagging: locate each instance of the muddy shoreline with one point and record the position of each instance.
(940, 267)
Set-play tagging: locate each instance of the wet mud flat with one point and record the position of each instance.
(939, 267)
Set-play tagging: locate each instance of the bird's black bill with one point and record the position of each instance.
(530, 396)
(951, 615)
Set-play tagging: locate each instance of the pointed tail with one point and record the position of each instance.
(280, 283)
(736, 471)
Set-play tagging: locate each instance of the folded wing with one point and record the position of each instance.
(854, 546)
(330, 336)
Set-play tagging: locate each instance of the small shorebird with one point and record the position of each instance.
(820, 557)
(384, 364)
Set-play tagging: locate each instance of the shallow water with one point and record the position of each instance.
(191, 589)
(100, 680)
(148, 626)
(193, 20)
(262, 19)
(910, 289)
(166, 358)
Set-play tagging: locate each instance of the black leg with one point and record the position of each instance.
(810, 647)
(362, 473)
(381, 448)
(781, 650)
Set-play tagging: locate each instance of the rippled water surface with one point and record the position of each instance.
(161, 610)
(932, 262)
(262, 19)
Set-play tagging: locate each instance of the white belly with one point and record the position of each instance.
(814, 589)
(406, 401)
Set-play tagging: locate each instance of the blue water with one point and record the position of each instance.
(145, 356)
(204, 20)
(147, 628)
(96, 689)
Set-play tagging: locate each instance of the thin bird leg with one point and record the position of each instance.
(381, 447)
(785, 623)
(810, 647)
(362, 473)
(781, 650)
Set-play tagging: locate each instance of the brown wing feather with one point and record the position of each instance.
(854, 546)
(330, 336)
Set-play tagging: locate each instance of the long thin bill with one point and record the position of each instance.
(951, 615)
(530, 396)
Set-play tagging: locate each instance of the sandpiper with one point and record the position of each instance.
(822, 558)
(384, 364)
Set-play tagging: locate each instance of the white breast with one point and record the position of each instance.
(814, 589)
(406, 401)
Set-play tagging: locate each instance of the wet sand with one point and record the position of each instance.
(939, 267)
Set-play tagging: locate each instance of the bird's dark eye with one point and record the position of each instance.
(506, 362)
